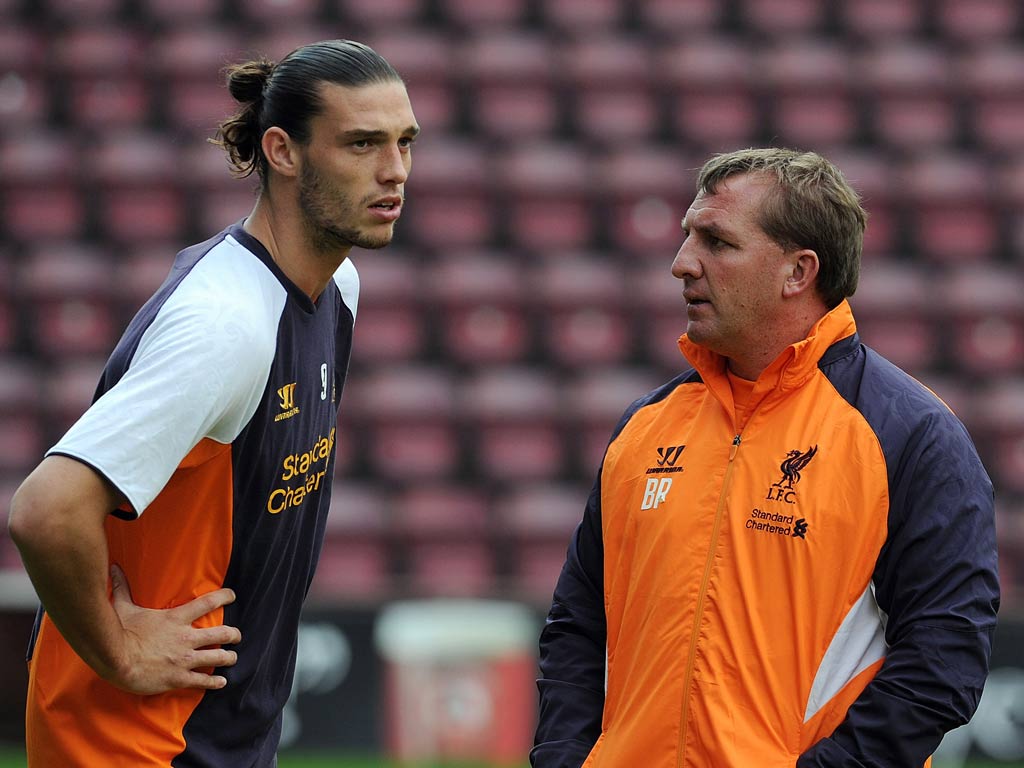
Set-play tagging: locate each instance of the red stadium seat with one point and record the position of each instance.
(511, 77)
(548, 195)
(596, 400)
(809, 86)
(444, 530)
(787, 18)
(583, 17)
(70, 306)
(41, 197)
(425, 60)
(673, 18)
(406, 414)
(993, 78)
(181, 12)
(583, 311)
(951, 211)
(614, 91)
(139, 194)
(478, 300)
(484, 14)
(894, 308)
(874, 20)
(382, 14)
(647, 192)
(872, 176)
(70, 391)
(391, 325)
(911, 99)
(448, 195)
(537, 521)
(515, 420)
(710, 82)
(977, 21)
(985, 313)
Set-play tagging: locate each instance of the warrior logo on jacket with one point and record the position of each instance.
(791, 466)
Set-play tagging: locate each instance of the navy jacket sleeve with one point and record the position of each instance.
(936, 579)
(572, 651)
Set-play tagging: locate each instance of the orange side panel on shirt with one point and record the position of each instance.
(176, 551)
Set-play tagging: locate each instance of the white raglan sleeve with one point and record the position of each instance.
(199, 371)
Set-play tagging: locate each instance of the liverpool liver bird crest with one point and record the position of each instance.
(791, 466)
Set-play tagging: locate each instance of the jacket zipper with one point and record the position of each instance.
(688, 679)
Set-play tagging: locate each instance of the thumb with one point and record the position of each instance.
(122, 593)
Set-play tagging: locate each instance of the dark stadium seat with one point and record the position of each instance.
(511, 77)
(548, 198)
(984, 312)
(783, 18)
(709, 84)
(25, 97)
(895, 310)
(425, 60)
(68, 291)
(449, 203)
(179, 12)
(69, 391)
(596, 399)
(475, 15)
(406, 414)
(261, 14)
(392, 325)
(583, 311)
(535, 523)
(950, 208)
(613, 87)
(872, 175)
(137, 186)
(187, 63)
(646, 191)
(82, 11)
(381, 14)
(670, 17)
(514, 417)
(977, 21)
(41, 197)
(583, 17)
(443, 534)
(911, 95)
(992, 76)
(872, 21)
(478, 300)
(809, 89)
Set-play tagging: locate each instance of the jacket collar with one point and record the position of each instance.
(794, 365)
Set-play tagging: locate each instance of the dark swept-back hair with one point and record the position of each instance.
(812, 206)
(287, 95)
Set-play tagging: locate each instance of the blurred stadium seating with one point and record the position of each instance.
(527, 298)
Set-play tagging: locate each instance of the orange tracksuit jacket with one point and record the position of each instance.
(816, 587)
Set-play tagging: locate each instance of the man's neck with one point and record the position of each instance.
(282, 234)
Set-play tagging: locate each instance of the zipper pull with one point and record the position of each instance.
(735, 447)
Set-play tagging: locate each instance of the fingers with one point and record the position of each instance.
(205, 604)
(221, 635)
(212, 658)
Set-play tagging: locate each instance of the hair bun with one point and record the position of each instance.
(247, 81)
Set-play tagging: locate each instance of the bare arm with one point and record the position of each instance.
(57, 522)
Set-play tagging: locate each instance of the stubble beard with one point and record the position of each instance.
(324, 210)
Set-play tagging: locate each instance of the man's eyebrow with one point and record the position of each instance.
(367, 134)
(711, 229)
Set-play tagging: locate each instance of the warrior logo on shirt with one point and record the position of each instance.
(791, 466)
(288, 407)
(667, 458)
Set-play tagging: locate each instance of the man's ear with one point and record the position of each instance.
(803, 273)
(280, 151)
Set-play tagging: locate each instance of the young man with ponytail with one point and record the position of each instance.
(173, 532)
